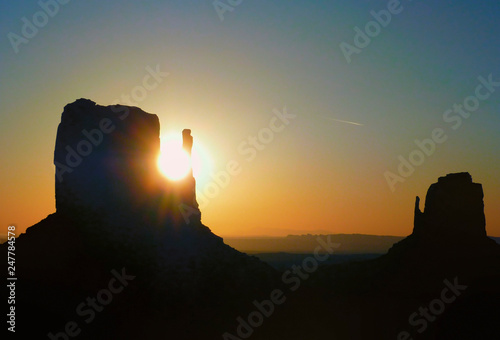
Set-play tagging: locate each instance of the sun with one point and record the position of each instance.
(175, 163)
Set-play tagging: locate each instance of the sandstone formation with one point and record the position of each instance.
(454, 208)
(448, 244)
(116, 213)
(451, 228)
(105, 158)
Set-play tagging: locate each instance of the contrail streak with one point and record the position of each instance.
(341, 121)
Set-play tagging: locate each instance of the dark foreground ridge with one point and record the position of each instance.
(125, 256)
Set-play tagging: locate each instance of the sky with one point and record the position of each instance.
(335, 114)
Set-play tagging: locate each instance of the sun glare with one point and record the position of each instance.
(175, 163)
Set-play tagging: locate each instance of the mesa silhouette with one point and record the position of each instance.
(117, 214)
(448, 247)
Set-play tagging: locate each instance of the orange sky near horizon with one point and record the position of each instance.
(326, 201)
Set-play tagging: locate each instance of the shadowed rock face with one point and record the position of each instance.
(116, 212)
(105, 158)
(448, 242)
(454, 208)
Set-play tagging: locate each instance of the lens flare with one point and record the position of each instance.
(175, 163)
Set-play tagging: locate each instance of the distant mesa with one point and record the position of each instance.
(449, 239)
(106, 157)
(453, 222)
(449, 236)
(453, 208)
